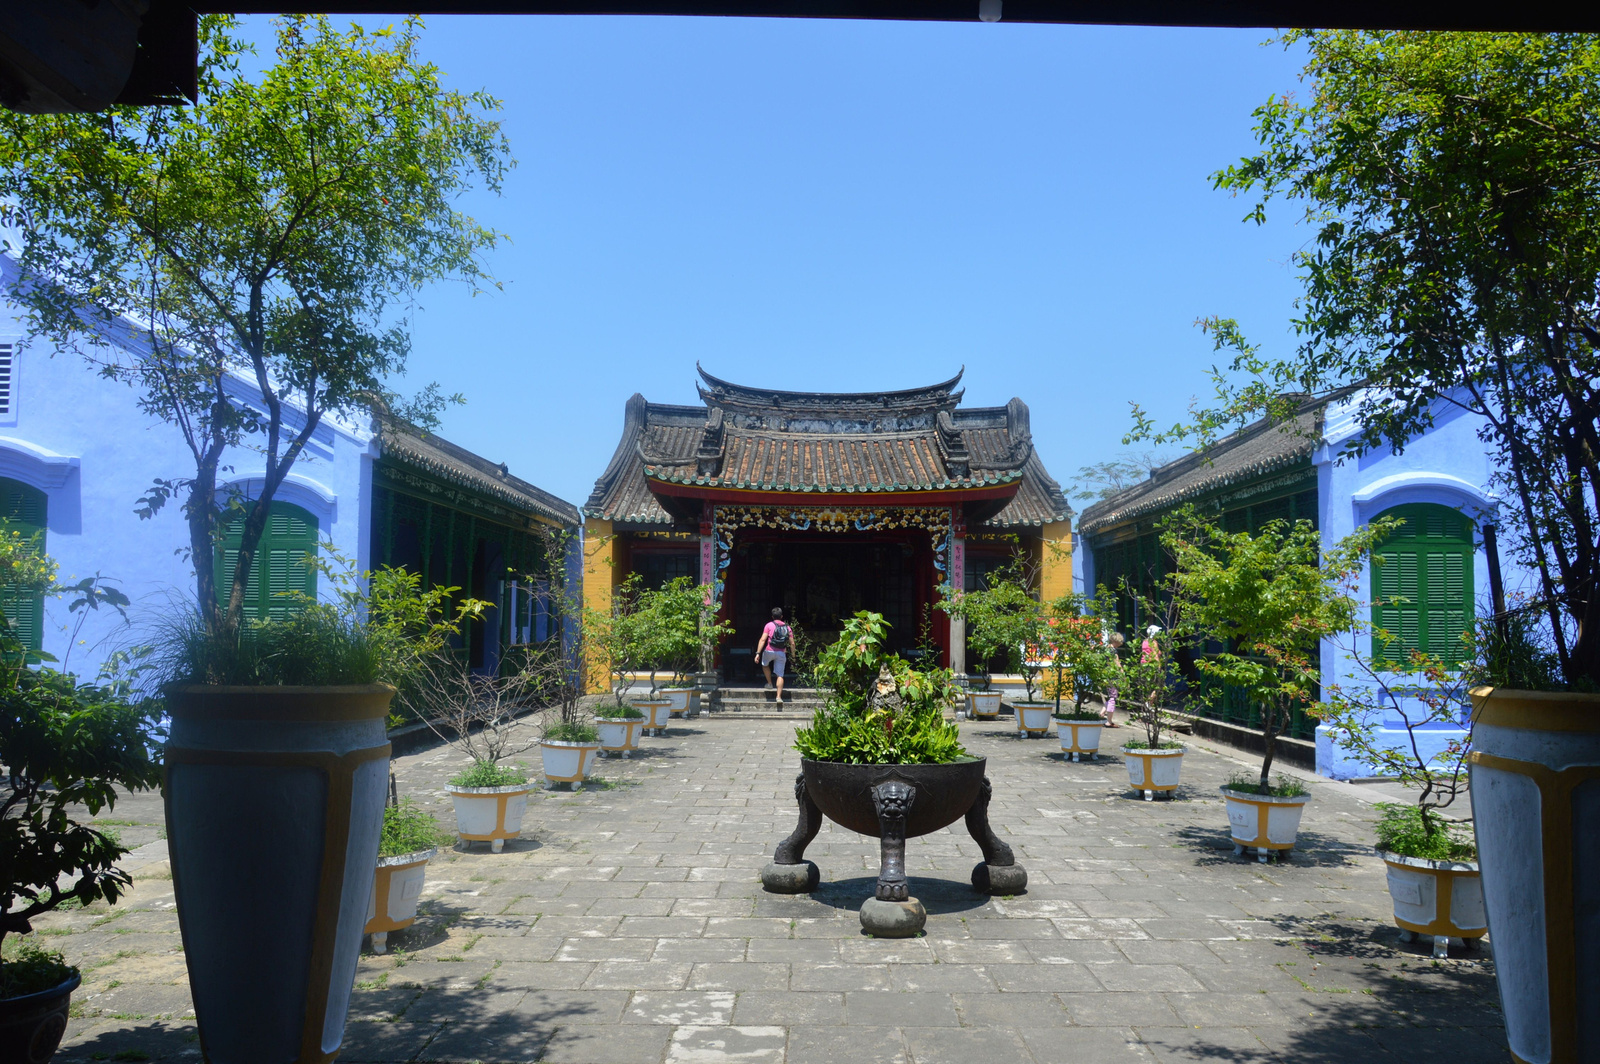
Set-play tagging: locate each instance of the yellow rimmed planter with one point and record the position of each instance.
(1079, 737)
(489, 814)
(1439, 898)
(678, 698)
(1154, 771)
(274, 805)
(566, 762)
(618, 735)
(1033, 718)
(1263, 823)
(983, 705)
(657, 712)
(1535, 774)
(396, 890)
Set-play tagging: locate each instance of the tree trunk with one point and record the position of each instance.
(1269, 737)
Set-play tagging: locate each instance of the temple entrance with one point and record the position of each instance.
(820, 580)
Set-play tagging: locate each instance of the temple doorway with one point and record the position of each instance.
(821, 580)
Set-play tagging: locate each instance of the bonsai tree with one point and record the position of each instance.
(260, 246)
(1144, 678)
(880, 710)
(1268, 599)
(1005, 621)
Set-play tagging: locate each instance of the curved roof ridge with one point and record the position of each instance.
(925, 395)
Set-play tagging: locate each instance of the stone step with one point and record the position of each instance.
(753, 701)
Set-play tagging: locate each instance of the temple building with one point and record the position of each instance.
(825, 504)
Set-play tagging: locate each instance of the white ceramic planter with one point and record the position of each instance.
(1263, 823)
(1439, 898)
(618, 735)
(1536, 812)
(395, 894)
(1154, 771)
(1034, 719)
(1079, 737)
(567, 763)
(274, 805)
(657, 712)
(678, 697)
(983, 705)
(489, 814)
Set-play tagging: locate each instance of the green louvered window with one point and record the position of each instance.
(283, 562)
(24, 507)
(1428, 564)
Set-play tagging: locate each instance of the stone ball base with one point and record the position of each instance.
(999, 879)
(791, 878)
(893, 919)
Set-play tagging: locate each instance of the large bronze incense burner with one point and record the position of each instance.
(893, 803)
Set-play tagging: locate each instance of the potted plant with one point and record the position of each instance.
(410, 838)
(1267, 600)
(879, 758)
(1080, 663)
(1433, 873)
(66, 745)
(1155, 763)
(618, 728)
(1006, 622)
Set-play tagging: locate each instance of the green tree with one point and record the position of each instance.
(1269, 599)
(265, 245)
(1005, 620)
(1452, 184)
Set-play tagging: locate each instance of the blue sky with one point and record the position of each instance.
(848, 206)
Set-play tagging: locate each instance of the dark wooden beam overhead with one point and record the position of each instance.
(84, 55)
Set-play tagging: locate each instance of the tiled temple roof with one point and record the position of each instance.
(434, 454)
(844, 443)
(1253, 451)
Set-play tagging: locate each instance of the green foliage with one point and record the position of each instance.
(279, 228)
(1005, 620)
(572, 733)
(317, 645)
(32, 971)
(1402, 829)
(409, 828)
(70, 746)
(1281, 786)
(490, 774)
(619, 713)
(1452, 187)
(880, 710)
(667, 628)
(1152, 744)
(1514, 650)
(1078, 715)
(1268, 599)
(1081, 662)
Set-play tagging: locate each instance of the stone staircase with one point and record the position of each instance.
(755, 703)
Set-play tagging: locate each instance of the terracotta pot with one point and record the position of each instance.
(1262, 822)
(1535, 770)
(1079, 737)
(274, 802)
(1154, 771)
(489, 814)
(1439, 898)
(395, 893)
(31, 1026)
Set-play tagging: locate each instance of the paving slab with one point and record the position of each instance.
(629, 926)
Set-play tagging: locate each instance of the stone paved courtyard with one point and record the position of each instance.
(629, 926)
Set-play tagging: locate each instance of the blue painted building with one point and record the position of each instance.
(1439, 485)
(76, 453)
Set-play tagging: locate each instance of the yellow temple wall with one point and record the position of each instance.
(1055, 561)
(602, 561)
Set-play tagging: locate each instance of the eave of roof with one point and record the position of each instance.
(451, 462)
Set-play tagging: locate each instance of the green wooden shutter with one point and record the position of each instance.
(25, 508)
(282, 565)
(1428, 564)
